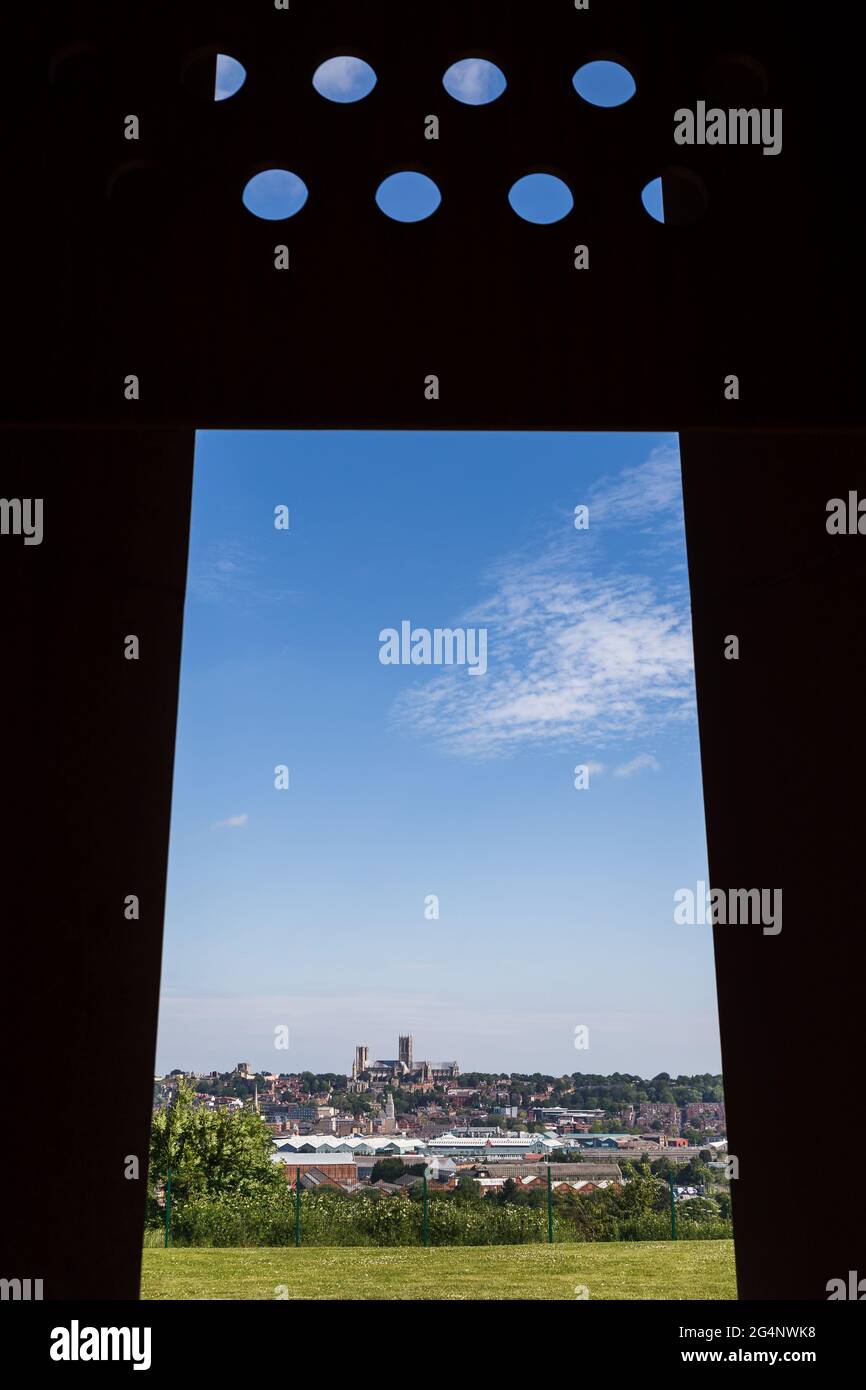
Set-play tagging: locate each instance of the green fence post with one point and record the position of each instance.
(673, 1208)
(426, 1211)
(167, 1210)
(297, 1206)
(549, 1204)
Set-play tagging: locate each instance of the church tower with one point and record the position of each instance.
(389, 1123)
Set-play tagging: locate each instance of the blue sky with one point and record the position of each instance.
(305, 907)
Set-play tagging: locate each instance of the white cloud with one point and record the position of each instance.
(574, 655)
(225, 568)
(648, 492)
(644, 762)
(340, 77)
(570, 657)
(237, 572)
(471, 81)
(231, 821)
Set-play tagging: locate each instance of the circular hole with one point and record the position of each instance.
(230, 76)
(541, 198)
(676, 198)
(474, 81)
(652, 197)
(344, 79)
(408, 196)
(213, 76)
(275, 194)
(603, 83)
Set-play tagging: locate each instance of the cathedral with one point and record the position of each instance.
(402, 1069)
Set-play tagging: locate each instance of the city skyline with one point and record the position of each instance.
(247, 1068)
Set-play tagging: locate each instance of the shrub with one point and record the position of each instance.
(333, 1218)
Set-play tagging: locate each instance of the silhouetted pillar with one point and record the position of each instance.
(784, 766)
(88, 744)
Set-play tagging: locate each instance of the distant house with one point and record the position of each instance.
(441, 1170)
(579, 1172)
(490, 1184)
(410, 1180)
(339, 1167)
(523, 1146)
(315, 1178)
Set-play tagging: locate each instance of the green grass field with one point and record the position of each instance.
(693, 1269)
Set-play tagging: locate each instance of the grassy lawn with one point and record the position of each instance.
(693, 1269)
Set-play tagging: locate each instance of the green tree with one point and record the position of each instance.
(388, 1170)
(643, 1195)
(663, 1168)
(210, 1152)
(699, 1209)
(695, 1174)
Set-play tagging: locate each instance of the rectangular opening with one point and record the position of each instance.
(436, 800)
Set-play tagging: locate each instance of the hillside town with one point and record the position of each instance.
(389, 1124)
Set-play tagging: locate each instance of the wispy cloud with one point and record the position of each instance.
(571, 657)
(649, 492)
(576, 652)
(224, 570)
(231, 821)
(474, 81)
(646, 498)
(343, 78)
(235, 571)
(644, 762)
